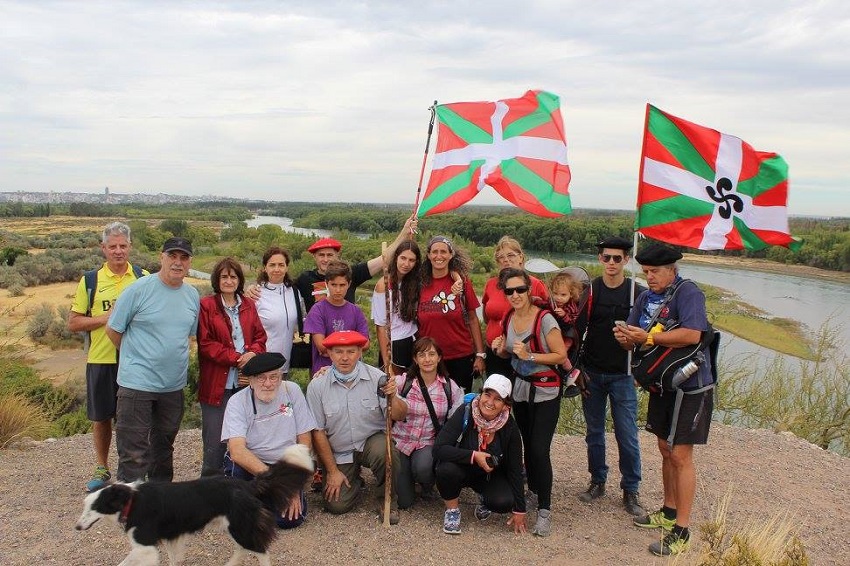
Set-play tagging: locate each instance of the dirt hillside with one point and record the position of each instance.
(41, 497)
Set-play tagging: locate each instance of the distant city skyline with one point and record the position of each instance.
(327, 101)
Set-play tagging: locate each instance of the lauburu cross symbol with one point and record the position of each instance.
(724, 185)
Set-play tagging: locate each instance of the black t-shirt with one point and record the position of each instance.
(311, 281)
(602, 353)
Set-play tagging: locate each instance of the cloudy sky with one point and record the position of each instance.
(328, 101)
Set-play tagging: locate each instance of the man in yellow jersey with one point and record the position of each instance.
(96, 295)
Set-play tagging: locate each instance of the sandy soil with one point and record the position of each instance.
(767, 474)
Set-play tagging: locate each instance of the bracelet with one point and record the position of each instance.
(482, 355)
(650, 340)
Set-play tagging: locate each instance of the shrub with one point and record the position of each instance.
(75, 422)
(40, 322)
(20, 418)
(21, 380)
(16, 290)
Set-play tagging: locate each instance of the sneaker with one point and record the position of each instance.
(530, 500)
(655, 520)
(428, 493)
(482, 513)
(316, 485)
(543, 527)
(631, 503)
(594, 491)
(451, 522)
(671, 544)
(99, 479)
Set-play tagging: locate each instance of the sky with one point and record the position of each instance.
(328, 101)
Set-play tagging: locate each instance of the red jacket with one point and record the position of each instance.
(216, 352)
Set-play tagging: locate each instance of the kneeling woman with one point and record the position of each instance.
(263, 419)
(480, 447)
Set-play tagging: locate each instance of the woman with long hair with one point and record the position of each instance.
(229, 335)
(404, 292)
(533, 342)
(508, 253)
(431, 398)
(278, 303)
(447, 316)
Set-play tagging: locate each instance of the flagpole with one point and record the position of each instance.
(433, 109)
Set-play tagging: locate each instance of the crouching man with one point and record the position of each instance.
(351, 423)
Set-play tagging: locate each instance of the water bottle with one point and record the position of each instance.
(683, 373)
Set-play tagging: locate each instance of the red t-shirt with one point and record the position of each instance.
(496, 304)
(441, 317)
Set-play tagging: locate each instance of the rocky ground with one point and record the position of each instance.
(767, 474)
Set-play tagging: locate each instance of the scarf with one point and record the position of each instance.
(345, 377)
(654, 301)
(486, 429)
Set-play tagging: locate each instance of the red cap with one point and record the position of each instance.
(345, 338)
(325, 243)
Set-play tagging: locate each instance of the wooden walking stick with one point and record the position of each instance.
(388, 368)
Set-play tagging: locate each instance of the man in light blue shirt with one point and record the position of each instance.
(150, 326)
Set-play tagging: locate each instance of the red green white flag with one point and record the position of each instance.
(516, 146)
(704, 189)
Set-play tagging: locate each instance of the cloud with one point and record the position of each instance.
(292, 100)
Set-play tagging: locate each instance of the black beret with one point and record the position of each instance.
(261, 363)
(615, 243)
(656, 254)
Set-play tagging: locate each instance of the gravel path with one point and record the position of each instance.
(41, 497)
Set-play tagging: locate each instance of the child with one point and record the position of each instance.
(565, 292)
(333, 314)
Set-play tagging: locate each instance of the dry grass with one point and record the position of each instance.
(19, 418)
(770, 541)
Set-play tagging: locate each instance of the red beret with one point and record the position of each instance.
(325, 243)
(345, 338)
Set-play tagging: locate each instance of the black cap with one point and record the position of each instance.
(615, 243)
(261, 363)
(657, 254)
(178, 244)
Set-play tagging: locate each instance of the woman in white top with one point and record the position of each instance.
(277, 303)
(404, 296)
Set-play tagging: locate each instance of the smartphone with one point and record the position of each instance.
(620, 323)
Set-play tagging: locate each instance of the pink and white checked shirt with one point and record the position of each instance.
(417, 431)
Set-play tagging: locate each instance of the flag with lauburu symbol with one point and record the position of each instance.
(708, 190)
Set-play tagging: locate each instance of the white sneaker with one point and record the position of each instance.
(543, 527)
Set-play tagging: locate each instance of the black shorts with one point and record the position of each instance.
(694, 416)
(402, 353)
(101, 391)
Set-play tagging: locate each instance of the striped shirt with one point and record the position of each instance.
(417, 430)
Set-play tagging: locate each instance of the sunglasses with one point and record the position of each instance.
(511, 290)
(608, 257)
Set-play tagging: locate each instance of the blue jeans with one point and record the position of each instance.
(621, 390)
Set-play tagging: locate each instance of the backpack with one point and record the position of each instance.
(555, 374)
(90, 278)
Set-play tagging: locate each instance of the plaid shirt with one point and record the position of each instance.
(417, 430)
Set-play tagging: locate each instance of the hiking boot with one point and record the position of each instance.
(594, 491)
(671, 544)
(99, 479)
(655, 520)
(451, 522)
(316, 485)
(631, 503)
(543, 527)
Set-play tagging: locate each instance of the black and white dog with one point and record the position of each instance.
(169, 512)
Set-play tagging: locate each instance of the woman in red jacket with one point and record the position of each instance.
(229, 334)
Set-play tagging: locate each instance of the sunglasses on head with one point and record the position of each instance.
(608, 257)
(511, 290)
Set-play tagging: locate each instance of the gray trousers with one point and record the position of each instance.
(146, 425)
(212, 418)
(374, 457)
(413, 469)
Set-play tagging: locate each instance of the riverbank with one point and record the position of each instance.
(768, 266)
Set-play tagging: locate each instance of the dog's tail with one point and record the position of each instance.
(285, 478)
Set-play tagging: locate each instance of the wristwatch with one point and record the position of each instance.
(482, 355)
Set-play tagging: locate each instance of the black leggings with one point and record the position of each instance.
(537, 423)
(460, 370)
(495, 487)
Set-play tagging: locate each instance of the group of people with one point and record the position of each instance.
(430, 338)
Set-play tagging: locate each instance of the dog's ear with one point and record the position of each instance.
(113, 498)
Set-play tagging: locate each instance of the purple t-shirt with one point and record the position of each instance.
(325, 318)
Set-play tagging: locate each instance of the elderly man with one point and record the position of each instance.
(151, 326)
(351, 422)
(606, 367)
(261, 421)
(311, 284)
(672, 313)
(97, 292)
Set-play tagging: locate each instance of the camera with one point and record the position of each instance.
(382, 382)
(492, 461)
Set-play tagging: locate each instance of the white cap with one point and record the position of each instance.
(500, 384)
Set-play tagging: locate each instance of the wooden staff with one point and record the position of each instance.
(388, 368)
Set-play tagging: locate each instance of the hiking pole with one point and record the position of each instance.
(433, 109)
(388, 368)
